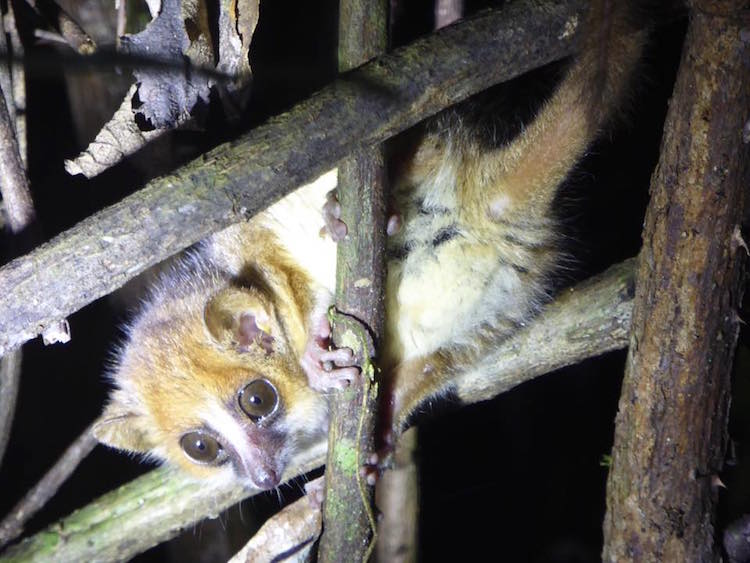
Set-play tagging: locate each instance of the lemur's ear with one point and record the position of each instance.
(123, 428)
(241, 319)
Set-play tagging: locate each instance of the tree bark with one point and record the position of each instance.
(348, 515)
(671, 429)
(238, 179)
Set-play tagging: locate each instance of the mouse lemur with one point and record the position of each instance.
(222, 371)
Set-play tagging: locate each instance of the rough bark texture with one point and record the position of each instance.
(671, 427)
(585, 321)
(238, 179)
(348, 515)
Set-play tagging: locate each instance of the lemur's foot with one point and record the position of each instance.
(380, 461)
(327, 369)
(338, 230)
(334, 226)
(395, 222)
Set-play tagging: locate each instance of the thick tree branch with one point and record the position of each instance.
(671, 429)
(585, 321)
(238, 179)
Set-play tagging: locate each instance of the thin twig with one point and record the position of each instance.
(448, 12)
(12, 525)
(397, 498)
(13, 182)
(122, 20)
(17, 82)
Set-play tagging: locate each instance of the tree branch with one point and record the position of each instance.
(671, 429)
(348, 512)
(19, 207)
(585, 321)
(238, 179)
(10, 374)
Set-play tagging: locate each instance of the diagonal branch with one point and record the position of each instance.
(238, 179)
(585, 321)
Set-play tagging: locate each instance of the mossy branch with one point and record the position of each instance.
(349, 525)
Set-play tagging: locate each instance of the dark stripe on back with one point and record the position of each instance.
(518, 268)
(400, 252)
(444, 235)
(423, 209)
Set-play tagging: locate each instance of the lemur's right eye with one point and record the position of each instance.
(201, 447)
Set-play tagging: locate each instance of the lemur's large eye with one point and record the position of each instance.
(201, 447)
(258, 399)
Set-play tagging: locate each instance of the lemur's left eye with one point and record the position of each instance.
(258, 399)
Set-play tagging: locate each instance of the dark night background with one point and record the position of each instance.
(520, 476)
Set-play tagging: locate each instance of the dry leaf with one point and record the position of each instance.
(119, 138)
(169, 92)
(181, 36)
